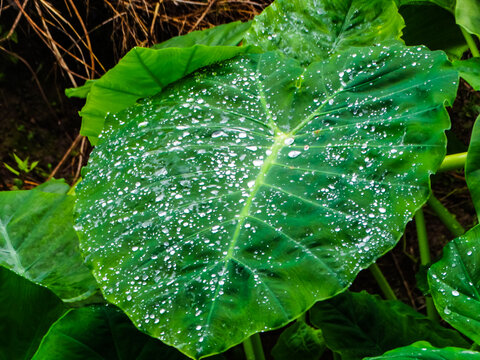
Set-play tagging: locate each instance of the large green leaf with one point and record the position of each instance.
(472, 166)
(26, 312)
(259, 187)
(470, 71)
(299, 341)
(422, 350)
(312, 30)
(223, 35)
(455, 284)
(359, 324)
(144, 72)
(38, 242)
(434, 27)
(467, 14)
(100, 333)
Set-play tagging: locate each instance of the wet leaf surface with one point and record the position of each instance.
(422, 350)
(259, 186)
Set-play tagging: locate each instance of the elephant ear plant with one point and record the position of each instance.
(235, 189)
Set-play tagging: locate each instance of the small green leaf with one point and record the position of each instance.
(223, 35)
(312, 30)
(55, 186)
(144, 72)
(422, 350)
(299, 341)
(81, 91)
(38, 242)
(26, 312)
(472, 166)
(359, 324)
(455, 284)
(259, 186)
(469, 71)
(101, 333)
(12, 170)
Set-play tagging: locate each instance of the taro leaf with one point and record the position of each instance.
(469, 71)
(38, 242)
(446, 4)
(472, 166)
(455, 284)
(422, 350)
(55, 186)
(467, 14)
(260, 187)
(144, 72)
(223, 35)
(26, 312)
(311, 30)
(359, 324)
(434, 27)
(81, 91)
(299, 341)
(100, 333)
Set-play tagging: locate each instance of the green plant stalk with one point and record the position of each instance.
(470, 42)
(453, 162)
(446, 217)
(248, 348)
(425, 258)
(257, 347)
(382, 282)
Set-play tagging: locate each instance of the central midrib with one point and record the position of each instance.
(17, 265)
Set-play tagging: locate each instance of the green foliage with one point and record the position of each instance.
(299, 341)
(455, 283)
(422, 350)
(26, 312)
(470, 71)
(311, 30)
(472, 166)
(38, 242)
(357, 325)
(23, 166)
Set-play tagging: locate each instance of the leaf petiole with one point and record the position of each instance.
(446, 217)
(253, 348)
(453, 162)
(470, 42)
(382, 282)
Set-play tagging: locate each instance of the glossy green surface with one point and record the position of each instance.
(467, 13)
(470, 71)
(422, 350)
(38, 242)
(299, 341)
(472, 166)
(100, 333)
(312, 30)
(144, 72)
(359, 324)
(26, 312)
(260, 187)
(455, 283)
(222, 35)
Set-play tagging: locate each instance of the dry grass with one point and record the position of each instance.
(68, 27)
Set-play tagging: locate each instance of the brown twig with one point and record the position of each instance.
(65, 156)
(210, 4)
(405, 283)
(80, 160)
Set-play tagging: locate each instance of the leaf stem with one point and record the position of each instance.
(248, 348)
(382, 282)
(257, 347)
(453, 162)
(470, 42)
(446, 217)
(425, 258)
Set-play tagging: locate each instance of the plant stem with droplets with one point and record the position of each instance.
(425, 258)
(453, 162)
(470, 42)
(382, 282)
(446, 217)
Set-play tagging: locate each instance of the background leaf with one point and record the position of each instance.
(359, 324)
(422, 350)
(312, 30)
(299, 341)
(38, 242)
(455, 284)
(470, 71)
(472, 165)
(26, 312)
(259, 187)
(101, 333)
(144, 72)
(467, 15)
(222, 35)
